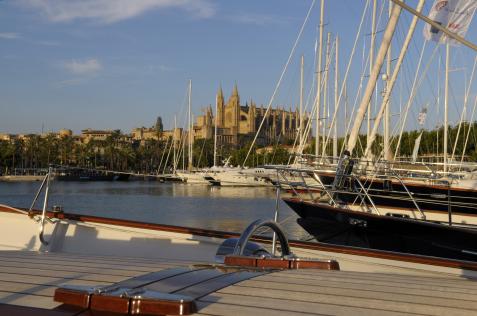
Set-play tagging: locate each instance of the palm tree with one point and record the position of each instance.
(111, 144)
(48, 150)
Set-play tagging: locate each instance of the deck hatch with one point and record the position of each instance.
(171, 291)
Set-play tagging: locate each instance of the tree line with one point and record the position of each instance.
(156, 156)
(120, 154)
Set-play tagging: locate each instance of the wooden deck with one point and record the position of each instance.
(29, 279)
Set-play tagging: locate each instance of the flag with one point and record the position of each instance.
(417, 144)
(421, 118)
(455, 15)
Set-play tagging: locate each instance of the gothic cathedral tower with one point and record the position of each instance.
(232, 115)
(220, 108)
(234, 102)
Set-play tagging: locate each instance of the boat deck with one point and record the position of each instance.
(28, 281)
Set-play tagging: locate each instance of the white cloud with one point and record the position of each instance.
(47, 43)
(9, 35)
(256, 19)
(110, 11)
(85, 67)
(68, 82)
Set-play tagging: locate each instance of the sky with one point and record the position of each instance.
(118, 64)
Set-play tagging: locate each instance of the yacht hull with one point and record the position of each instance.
(359, 229)
(429, 197)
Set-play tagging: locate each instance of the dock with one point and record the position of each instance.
(21, 178)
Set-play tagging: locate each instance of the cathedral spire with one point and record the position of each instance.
(235, 91)
(220, 94)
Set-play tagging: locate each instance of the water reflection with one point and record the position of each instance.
(227, 209)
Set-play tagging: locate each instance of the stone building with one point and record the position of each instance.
(89, 134)
(151, 133)
(238, 124)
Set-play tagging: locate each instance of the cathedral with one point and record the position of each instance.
(238, 124)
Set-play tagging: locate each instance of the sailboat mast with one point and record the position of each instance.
(215, 129)
(438, 103)
(446, 104)
(386, 122)
(391, 81)
(335, 129)
(318, 81)
(371, 61)
(302, 65)
(325, 91)
(190, 127)
(387, 37)
(183, 151)
(174, 144)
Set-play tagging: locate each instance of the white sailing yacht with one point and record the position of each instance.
(191, 176)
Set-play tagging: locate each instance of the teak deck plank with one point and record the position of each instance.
(434, 292)
(274, 306)
(465, 287)
(13, 310)
(459, 281)
(28, 300)
(93, 259)
(36, 279)
(63, 274)
(29, 279)
(65, 263)
(76, 258)
(60, 269)
(211, 308)
(388, 303)
(41, 289)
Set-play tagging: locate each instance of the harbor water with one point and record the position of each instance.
(200, 206)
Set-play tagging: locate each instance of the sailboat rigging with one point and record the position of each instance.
(334, 217)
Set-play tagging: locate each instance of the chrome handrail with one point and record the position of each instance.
(318, 179)
(248, 232)
(45, 205)
(47, 176)
(45, 184)
(423, 216)
(363, 189)
(275, 219)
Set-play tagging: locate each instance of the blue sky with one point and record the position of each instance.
(118, 64)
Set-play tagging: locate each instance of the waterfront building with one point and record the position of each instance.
(7, 137)
(143, 134)
(89, 134)
(64, 133)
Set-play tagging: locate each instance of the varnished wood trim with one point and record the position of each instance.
(162, 307)
(110, 304)
(280, 263)
(315, 264)
(70, 297)
(273, 263)
(240, 261)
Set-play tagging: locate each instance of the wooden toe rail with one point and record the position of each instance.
(167, 292)
(281, 263)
